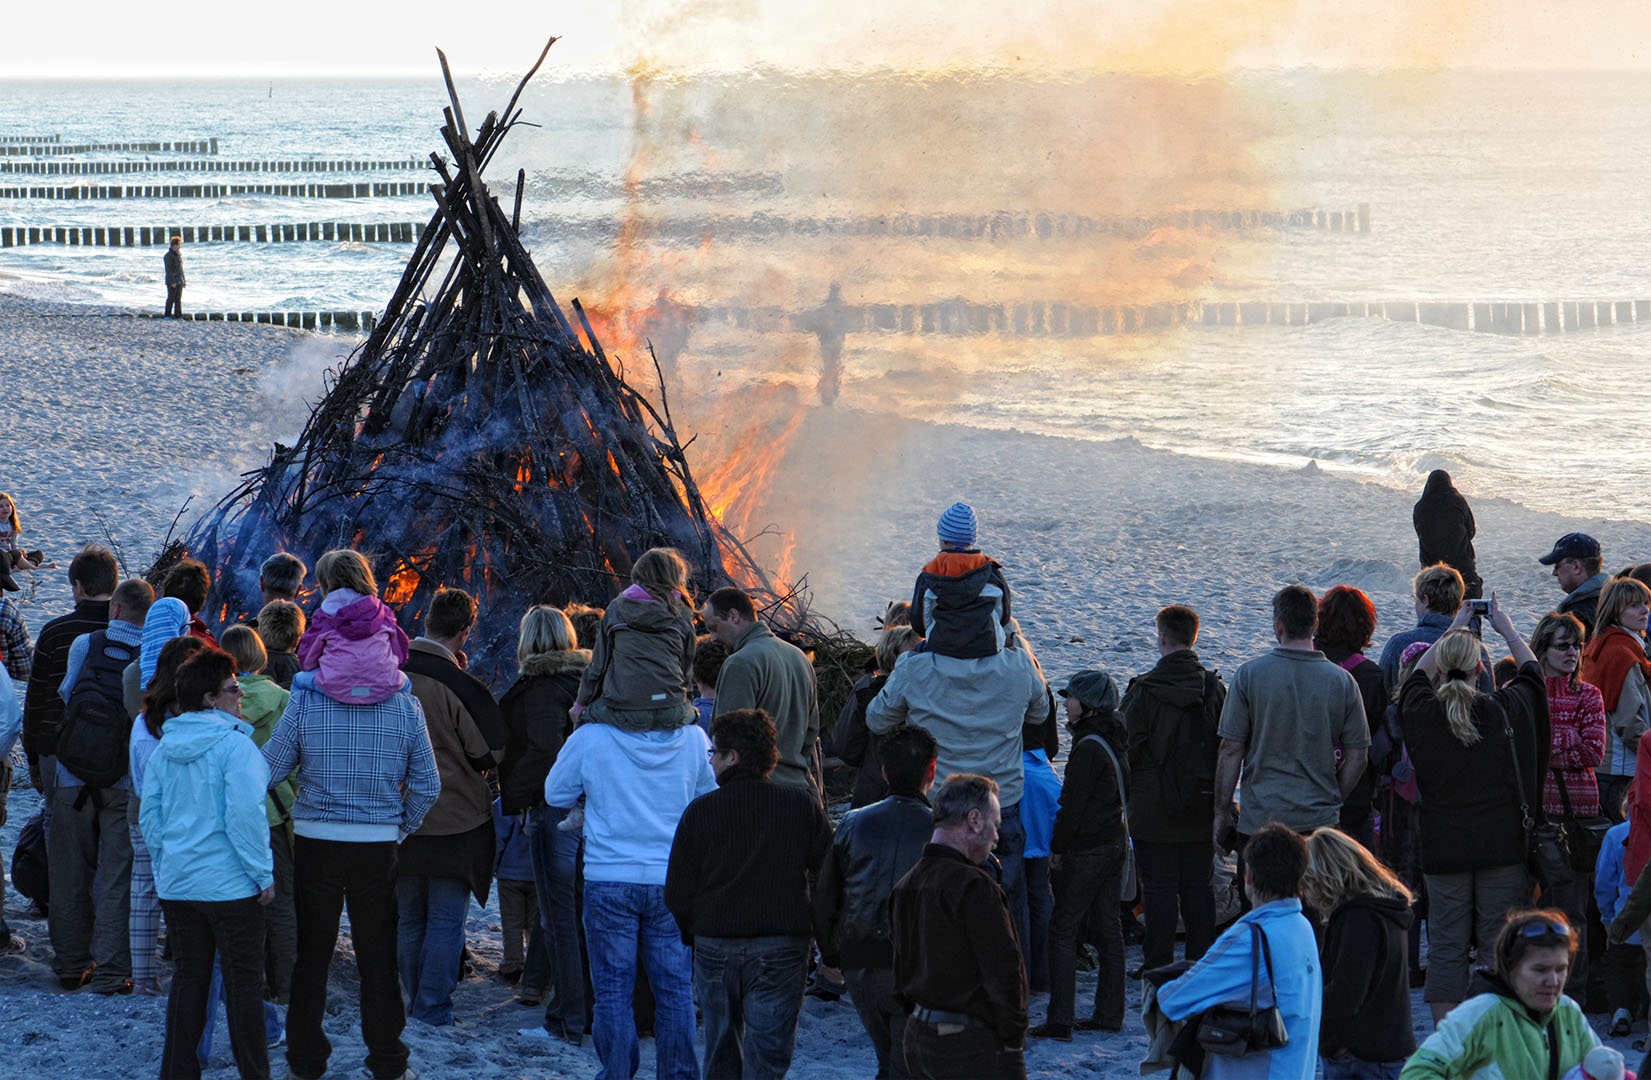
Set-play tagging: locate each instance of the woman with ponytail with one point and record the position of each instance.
(1472, 806)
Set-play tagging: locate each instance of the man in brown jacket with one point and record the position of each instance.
(451, 856)
(957, 964)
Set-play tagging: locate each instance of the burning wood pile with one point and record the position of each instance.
(475, 440)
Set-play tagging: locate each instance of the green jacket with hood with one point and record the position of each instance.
(1493, 1036)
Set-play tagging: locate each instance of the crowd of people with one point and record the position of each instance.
(650, 799)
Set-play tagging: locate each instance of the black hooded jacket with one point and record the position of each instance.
(1154, 708)
(1367, 980)
(537, 724)
(1445, 529)
(1091, 808)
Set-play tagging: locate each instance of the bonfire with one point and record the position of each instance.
(480, 438)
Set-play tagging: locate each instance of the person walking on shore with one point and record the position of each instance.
(174, 279)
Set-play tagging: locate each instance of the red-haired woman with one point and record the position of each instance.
(1347, 619)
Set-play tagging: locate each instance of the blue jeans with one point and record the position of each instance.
(1348, 1067)
(750, 991)
(617, 915)
(555, 866)
(1040, 905)
(429, 944)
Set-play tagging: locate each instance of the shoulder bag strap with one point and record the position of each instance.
(1553, 1050)
(1118, 771)
(1267, 955)
(1564, 794)
(1518, 778)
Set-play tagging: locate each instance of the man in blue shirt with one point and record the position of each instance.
(1438, 590)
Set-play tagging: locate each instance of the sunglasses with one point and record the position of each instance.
(1543, 928)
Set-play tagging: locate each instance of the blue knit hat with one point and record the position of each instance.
(957, 525)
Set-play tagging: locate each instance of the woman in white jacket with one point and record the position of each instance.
(202, 817)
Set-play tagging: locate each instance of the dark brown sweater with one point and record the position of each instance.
(954, 944)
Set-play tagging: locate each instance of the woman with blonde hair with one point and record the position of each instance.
(641, 673)
(1365, 1028)
(1479, 761)
(536, 714)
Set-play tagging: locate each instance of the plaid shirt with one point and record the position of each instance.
(16, 650)
(354, 761)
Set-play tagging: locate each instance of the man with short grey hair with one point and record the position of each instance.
(957, 963)
(281, 576)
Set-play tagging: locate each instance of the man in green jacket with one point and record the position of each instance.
(763, 672)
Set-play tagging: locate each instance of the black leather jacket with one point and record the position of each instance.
(873, 849)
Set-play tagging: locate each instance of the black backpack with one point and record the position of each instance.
(1187, 779)
(28, 863)
(92, 740)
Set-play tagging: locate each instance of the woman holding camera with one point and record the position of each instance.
(1472, 807)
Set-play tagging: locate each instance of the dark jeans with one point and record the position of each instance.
(750, 992)
(1175, 876)
(971, 1054)
(555, 870)
(1040, 905)
(327, 875)
(872, 991)
(89, 863)
(1087, 885)
(234, 931)
(174, 302)
(430, 943)
(280, 922)
(1011, 853)
(1625, 977)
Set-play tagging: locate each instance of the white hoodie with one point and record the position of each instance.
(636, 785)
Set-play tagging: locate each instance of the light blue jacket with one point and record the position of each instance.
(11, 715)
(202, 811)
(1611, 884)
(1038, 803)
(1222, 977)
(636, 785)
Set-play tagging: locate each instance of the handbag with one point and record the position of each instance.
(1585, 834)
(1127, 883)
(1547, 852)
(1234, 1030)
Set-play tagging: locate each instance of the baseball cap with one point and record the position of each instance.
(1572, 546)
(1094, 689)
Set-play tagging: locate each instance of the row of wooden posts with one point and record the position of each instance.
(350, 322)
(962, 317)
(376, 190)
(120, 168)
(57, 148)
(1035, 319)
(389, 232)
(31, 139)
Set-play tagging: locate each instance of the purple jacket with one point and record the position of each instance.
(355, 648)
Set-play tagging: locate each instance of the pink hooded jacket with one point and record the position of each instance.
(355, 648)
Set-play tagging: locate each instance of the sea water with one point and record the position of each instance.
(754, 195)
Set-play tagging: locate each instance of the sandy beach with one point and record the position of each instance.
(112, 423)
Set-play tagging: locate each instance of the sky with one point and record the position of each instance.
(182, 38)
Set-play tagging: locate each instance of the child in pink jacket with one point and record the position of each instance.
(353, 649)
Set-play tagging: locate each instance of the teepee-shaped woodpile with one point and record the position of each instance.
(475, 440)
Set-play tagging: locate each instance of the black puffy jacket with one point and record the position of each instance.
(537, 724)
(873, 849)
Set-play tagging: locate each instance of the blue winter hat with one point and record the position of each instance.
(957, 525)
